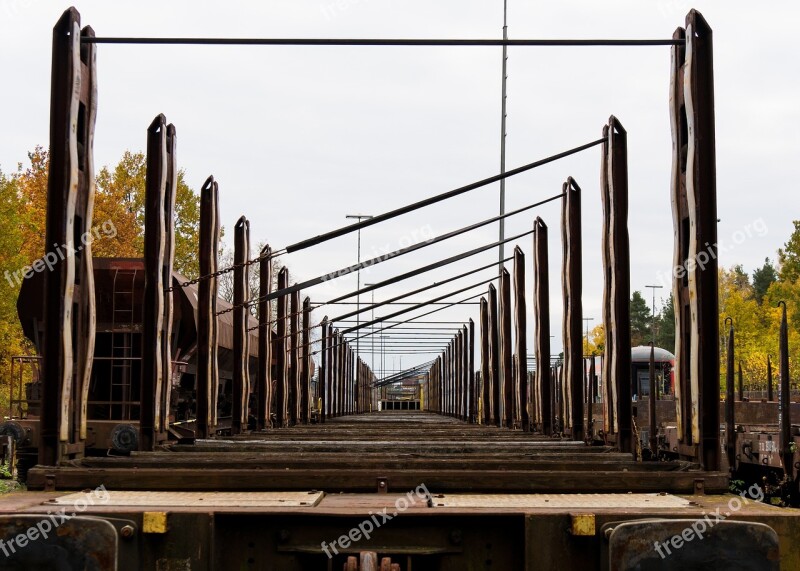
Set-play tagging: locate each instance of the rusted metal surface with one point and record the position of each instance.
(573, 305)
(784, 398)
(77, 543)
(494, 358)
(728, 544)
(305, 364)
(472, 409)
(651, 403)
(770, 396)
(448, 454)
(617, 295)
(521, 403)
(264, 380)
(294, 358)
(171, 376)
(241, 339)
(541, 316)
(70, 199)
(592, 393)
(207, 379)
(506, 378)
(281, 355)
(730, 422)
(153, 319)
(694, 210)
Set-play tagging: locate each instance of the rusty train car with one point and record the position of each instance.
(113, 402)
(457, 486)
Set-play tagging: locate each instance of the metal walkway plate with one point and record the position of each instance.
(559, 501)
(201, 499)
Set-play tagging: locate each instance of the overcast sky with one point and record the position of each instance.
(300, 137)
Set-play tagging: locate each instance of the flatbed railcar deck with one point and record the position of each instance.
(457, 496)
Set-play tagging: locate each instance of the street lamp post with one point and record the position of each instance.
(653, 321)
(587, 320)
(359, 218)
(372, 335)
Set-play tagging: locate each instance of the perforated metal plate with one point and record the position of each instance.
(197, 499)
(559, 501)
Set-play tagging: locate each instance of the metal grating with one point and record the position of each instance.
(196, 499)
(559, 501)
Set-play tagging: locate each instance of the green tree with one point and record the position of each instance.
(789, 256)
(13, 225)
(596, 343)
(641, 320)
(665, 325)
(763, 277)
(120, 198)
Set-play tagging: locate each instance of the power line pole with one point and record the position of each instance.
(503, 135)
(359, 218)
(653, 321)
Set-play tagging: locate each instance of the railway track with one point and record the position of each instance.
(385, 451)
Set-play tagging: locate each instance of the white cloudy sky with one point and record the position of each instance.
(299, 137)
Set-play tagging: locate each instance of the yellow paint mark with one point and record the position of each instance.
(154, 522)
(582, 524)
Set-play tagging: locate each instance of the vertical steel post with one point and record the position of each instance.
(617, 313)
(573, 305)
(522, 402)
(153, 304)
(264, 383)
(494, 359)
(486, 389)
(652, 404)
(68, 344)
(507, 384)
(784, 399)
(694, 207)
(472, 407)
(281, 356)
(730, 422)
(170, 192)
(205, 313)
(591, 399)
(241, 337)
(294, 358)
(769, 379)
(464, 373)
(325, 365)
(305, 381)
(541, 312)
(741, 383)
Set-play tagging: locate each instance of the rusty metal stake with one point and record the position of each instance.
(541, 315)
(264, 381)
(784, 399)
(241, 338)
